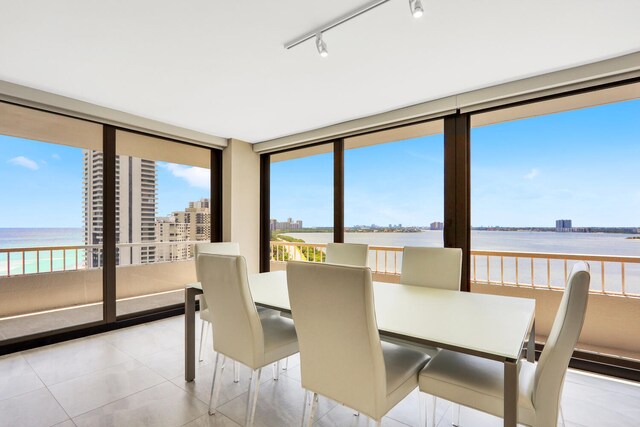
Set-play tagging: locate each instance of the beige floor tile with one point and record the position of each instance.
(164, 405)
(17, 376)
(201, 386)
(67, 423)
(597, 406)
(91, 391)
(67, 360)
(341, 416)
(145, 340)
(34, 409)
(279, 404)
(217, 420)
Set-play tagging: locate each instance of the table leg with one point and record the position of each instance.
(190, 333)
(510, 393)
(531, 345)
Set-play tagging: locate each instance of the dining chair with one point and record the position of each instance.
(239, 333)
(355, 254)
(341, 355)
(432, 267)
(478, 383)
(220, 248)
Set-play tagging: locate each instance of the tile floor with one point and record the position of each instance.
(134, 377)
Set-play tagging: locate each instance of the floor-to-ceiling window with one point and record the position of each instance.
(301, 215)
(51, 191)
(163, 208)
(393, 191)
(552, 183)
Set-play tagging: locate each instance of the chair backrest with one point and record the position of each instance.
(354, 254)
(340, 351)
(238, 331)
(554, 360)
(432, 267)
(219, 248)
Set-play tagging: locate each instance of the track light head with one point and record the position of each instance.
(416, 8)
(321, 45)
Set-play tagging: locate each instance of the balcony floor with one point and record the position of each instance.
(134, 377)
(20, 326)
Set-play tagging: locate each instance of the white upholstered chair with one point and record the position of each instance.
(341, 355)
(354, 254)
(478, 383)
(220, 248)
(432, 267)
(239, 333)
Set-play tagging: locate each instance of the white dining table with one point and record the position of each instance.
(488, 326)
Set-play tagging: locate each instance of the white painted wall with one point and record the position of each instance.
(241, 200)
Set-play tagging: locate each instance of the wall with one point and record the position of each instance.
(47, 291)
(241, 200)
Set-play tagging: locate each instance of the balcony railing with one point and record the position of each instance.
(48, 259)
(611, 275)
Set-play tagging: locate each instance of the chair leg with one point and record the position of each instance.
(201, 338)
(314, 409)
(422, 409)
(252, 398)
(212, 410)
(304, 407)
(433, 411)
(286, 364)
(455, 417)
(236, 372)
(561, 416)
(276, 375)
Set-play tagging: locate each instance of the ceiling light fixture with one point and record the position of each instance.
(321, 45)
(416, 8)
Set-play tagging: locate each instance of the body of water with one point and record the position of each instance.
(45, 260)
(35, 237)
(521, 241)
(517, 241)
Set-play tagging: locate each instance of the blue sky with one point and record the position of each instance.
(583, 165)
(42, 184)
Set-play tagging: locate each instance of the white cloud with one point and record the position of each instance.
(55, 156)
(195, 177)
(24, 162)
(534, 173)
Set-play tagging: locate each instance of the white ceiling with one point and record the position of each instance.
(219, 66)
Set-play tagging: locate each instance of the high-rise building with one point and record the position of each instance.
(436, 226)
(168, 229)
(198, 216)
(563, 225)
(136, 200)
(274, 224)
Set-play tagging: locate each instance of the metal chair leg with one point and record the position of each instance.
(236, 372)
(286, 364)
(455, 417)
(252, 400)
(561, 416)
(433, 411)
(304, 407)
(314, 409)
(202, 335)
(213, 384)
(276, 375)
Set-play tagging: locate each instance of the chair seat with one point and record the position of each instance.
(477, 383)
(280, 339)
(262, 312)
(402, 366)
